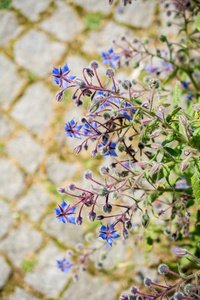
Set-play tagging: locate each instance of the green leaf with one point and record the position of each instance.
(195, 141)
(196, 185)
(197, 21)
(177, 95)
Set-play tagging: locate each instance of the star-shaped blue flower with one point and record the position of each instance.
(72, 129)
(110, 149)
(87, 129)
(64, 213)
(109, 58)
(108, 233)
(127, 113)
(59, 73)
(64, 265)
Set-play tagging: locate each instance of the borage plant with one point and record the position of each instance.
(151, 132)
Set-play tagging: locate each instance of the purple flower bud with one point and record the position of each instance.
(100, 217)
(78, 149)
(89, 72)
(59, 96)
(94, 153)
(72, 186)
(162, 269)
(124, 297)
(80, 83)
(94, 64)
(184, 165)
(145, 220)
(88, 174)
(134, 290)
(79, 220)
(155, 134)
(179, 296)
(61, 190)
(180, 252)
(147, 282)
(92, 216)
(78, 102)
(187, 214)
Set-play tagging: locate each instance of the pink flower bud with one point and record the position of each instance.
(182, 120)
(155, 134)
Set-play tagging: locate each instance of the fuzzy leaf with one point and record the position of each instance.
(197, 21)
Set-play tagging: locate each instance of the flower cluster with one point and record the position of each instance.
(152, 139)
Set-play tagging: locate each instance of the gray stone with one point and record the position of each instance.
(138, 14)
(26, 151)
(46, 278)
(64, 23)
(9, 27)
(34, 109)
(5, 271)
(90, 288)
(11, 83)
(95, 5)
(99, 41)
(34, 203)
(143, 272)
(5, 127)
(5, 218)
(58, 171)
(20, 294)
(21, 242)
(31, 8)
(76, 65)
(35, 52)
(10, 188)
(68, 234)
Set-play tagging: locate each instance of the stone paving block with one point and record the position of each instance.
(20, 242)
(34, 109)
(5, 127)
(11, 83)
(139, 13)
(64, 23)
(11, 180)
(58, 171)
(76, 65)
(26, 151)
(31, 8)
(20, 294)
(35, 52)
(5, 218)
(46, 277)
(95, 5)
(9, 27)
(99, 41)
(68, 234)
(89, 288)
(34, 203)
(5, 271)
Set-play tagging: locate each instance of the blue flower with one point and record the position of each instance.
(58, 75)
(72, 129)
(64, 213)
(64, 265)
(189, 97)
(108, 233)
(182, 184)
(127, 113)
(151, 69)
(87, 129)
(109, 58)
(185, 84)
(110, 148)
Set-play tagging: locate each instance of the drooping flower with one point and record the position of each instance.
(61, 76)
(64, 265)
(64, 213)
(108, 233)
(72, 129)
(110, 58)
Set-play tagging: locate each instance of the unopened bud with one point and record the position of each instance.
(100, 217)
(110, 73)
(134, 290)
(184, 165)
(61, 190)
(59, 96)
(180, 252)
(88, 174)
(163, 269)
(81, 83)
(179, 296)
(72, 186)
(126, 84)
(125, 233)
(187, 289)
(154, 169)
(89, 72)
(128, 225)
(94, 64)
(155, 146)
(154, 83)
(147, 282)
(145, 220)
(107, 208)
(94, 153)
(79, 220)
(183, 120)
(92, 216)
(78, 149)
(121, 147)
(155, 134)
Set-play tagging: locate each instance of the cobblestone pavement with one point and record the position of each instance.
(36, 157)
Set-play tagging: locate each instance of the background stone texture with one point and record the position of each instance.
(36, 156)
